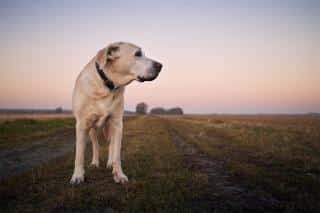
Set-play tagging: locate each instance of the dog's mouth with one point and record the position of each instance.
(142, 79)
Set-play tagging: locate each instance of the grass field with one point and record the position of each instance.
(16, 132)
(174, 164)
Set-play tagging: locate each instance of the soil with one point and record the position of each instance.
(35, 153)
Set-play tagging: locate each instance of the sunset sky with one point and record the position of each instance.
(219, 56)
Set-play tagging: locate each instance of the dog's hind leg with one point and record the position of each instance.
(95, 147)
(106, 133)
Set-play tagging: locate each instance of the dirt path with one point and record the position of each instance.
(222, 194)
(35, 153)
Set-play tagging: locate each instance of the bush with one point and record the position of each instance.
(158, 111)
(175, 111)
(59, 110)
(162, 111)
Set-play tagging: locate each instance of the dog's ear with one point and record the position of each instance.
(108, 54)
(101, 57)
(112, 53)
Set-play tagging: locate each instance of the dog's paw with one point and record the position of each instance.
(109, 164)
(77, 178)
(94, 164)
(120, 178)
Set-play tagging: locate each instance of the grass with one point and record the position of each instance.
(282, 157)
(15, 132)
(158, 182)
(280, 154)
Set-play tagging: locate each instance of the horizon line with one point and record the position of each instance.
(52, 110)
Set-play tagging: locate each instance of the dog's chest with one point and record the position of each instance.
(108, 106)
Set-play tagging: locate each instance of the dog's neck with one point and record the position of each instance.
(107, 81)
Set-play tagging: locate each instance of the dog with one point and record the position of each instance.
(98, 102)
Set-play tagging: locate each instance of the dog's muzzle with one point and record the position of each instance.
(156, 68)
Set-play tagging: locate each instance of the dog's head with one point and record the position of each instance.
(126, 62)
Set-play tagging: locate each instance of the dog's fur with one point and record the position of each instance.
(95, 106)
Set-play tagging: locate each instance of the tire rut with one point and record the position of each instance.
(222, 195)
(23, 158)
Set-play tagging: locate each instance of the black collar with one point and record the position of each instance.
(105, 79)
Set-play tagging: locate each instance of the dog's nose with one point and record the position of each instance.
(157, 66)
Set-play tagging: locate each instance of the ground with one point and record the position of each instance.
(174, 164)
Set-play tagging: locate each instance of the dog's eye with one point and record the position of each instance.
(138, 54)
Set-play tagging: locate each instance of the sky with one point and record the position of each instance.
(218, 56)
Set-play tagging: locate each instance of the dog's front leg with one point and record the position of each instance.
(116, 137)
(81, 140)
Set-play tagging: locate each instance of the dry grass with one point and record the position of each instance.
(158, 182)
(21, 131)
(280, 154)
(37, 116)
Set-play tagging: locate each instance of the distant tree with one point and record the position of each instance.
(162, 111)
(158, 111)
(175, 111)
(141, 108)
(59, 110)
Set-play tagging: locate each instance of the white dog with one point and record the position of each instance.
(98, 100)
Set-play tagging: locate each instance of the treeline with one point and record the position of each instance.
(142, 108)
(171, 111)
